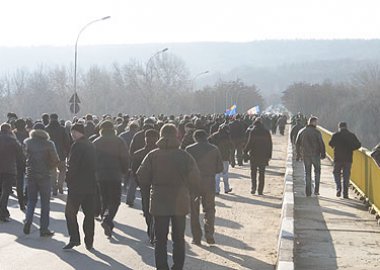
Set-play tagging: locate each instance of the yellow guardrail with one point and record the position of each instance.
(365, 174)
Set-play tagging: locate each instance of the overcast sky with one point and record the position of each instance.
(57, 22)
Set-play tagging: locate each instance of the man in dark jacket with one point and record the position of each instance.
(61, 140)
(10, 156)
(151, 138)
(237, 132)
(309, 142)
(172, 174)
(222, 140)
(344, 143)
(188, 137)
(21, 134)
(112, 163)
(295, 130)
(259, 151)
(209, 161)
(41, 160)
(80, 179)
(127, 136)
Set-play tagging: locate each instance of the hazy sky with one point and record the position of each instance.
(57, 22)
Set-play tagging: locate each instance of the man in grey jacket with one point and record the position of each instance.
(310, 145)
(172, 174)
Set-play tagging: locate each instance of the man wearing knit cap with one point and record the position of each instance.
(172, 174)
(80, 180)
(112, 163)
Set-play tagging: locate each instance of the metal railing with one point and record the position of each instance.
(365, 174)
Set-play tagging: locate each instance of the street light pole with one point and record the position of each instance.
(151, 58)
(76, 55)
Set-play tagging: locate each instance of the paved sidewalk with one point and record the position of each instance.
(247, 229)
(331, 232)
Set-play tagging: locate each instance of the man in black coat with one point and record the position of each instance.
(237, 132)
(80, 179)
(344, 143)
(209, 161)
(11, 155)
(112, 163)
(259, 151)
(61, 140)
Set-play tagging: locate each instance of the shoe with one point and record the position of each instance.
(130, 204)
(346, 197)
(240, 164)
(228, 191)
(55, 193)
(5, 219)
(316, 193)
(253, 191)
(107, 229)
(338, 194)
(46, 233)
(60, 190)
(22, 207)
(26, 228)
(89, 246)
(196, 242)
(210, 241)
(260, 193)
(70, 245)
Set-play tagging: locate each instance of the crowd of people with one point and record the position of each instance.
(176, 162)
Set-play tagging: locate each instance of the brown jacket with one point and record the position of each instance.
(172, 174)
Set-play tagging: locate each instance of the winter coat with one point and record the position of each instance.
(127, 136)
(172, 174)
(259, 145)
(11, 154)
(223, 141)
(344, 143)
(209, 161)
(112, 156)
(89, 129)
(294, 132)
(60, 138)
(80, 176)
(41, 155)
(138, 140)
(187, 139)
(309, 142)
(237, 131)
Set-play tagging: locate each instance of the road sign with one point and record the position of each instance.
(77, 100)
(74, 109)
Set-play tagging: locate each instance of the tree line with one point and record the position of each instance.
(356, 102)
(162, 85)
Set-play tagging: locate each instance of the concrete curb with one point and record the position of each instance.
(285, 252)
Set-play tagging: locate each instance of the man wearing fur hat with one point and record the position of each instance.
(172, 174)
(80, 180)
(41, 159)
(112, 163)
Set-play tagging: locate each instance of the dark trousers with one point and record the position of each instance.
(161, 228)
(254, 168)
(86, 201)
(238, 146)
(339, 168)
(20, 188)
(6, 181)
(58, 178)
(145, 201)
(110, 192)
(208, 204)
